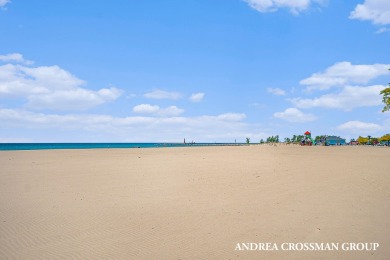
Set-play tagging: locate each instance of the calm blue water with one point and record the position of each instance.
(47, 146)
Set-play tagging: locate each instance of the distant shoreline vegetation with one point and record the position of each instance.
(324, 140)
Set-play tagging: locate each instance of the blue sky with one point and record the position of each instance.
(208, 71)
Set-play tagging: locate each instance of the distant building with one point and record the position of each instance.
(334, 140)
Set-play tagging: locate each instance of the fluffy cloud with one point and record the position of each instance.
(170, 111)
(197, 97)
(15, 57)
(146, 109)
(376, 11)
(74, 99)
(18, 80)
(276, 91)
(49, 87)
(358, 127)
(4, 2)
(294, 115)
(156, 110)
(344, 73)
(349, 98)
(161, 94)
(295, 6)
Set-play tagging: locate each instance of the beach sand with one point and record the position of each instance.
(193, 203)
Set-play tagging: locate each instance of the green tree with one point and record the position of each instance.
(248, 140)
(319, 138)
(362, 140)
(385, 138)
(386, 98)
(273, 139)
(294, 139)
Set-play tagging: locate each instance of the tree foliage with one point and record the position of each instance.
(385, 138)
(300, 138)
(386, 98)
(374, 140)
(273, 139)
(294, 139)
(319, 138)
(362, 140)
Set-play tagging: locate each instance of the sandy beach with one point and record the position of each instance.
(193, 203)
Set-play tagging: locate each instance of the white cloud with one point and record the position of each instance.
(349, 98)
(50, 87)
(52, 77)
(15, 57)
(343, 73)
(376, 11)
(4, 2)
(231, 117)
(156, 110)
(32, 120)
(294, 115)
(358, 127)
(161, 94)
(197, 97)
(171, 111)
(276, 91)
(74, 99)
(223, 127)
(146, 109)
(295, 6)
